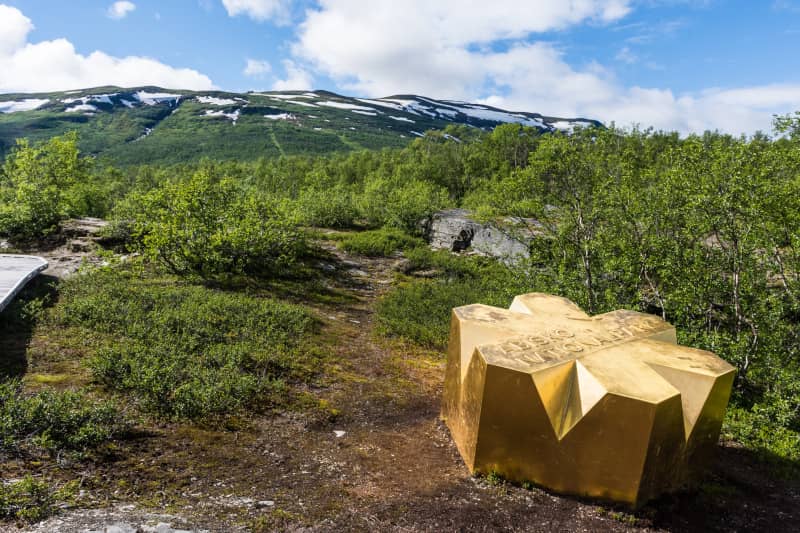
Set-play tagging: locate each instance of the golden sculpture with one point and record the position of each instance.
(607, 406)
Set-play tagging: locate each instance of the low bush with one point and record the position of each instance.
(32, 500)
(758, 429)
(331, 208)
(185, 351)
(213, 228)
(40, 185)
(382, 242)
(419, 310)
(400, 203)
(55, 421)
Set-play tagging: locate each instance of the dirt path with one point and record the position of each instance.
(368, 453)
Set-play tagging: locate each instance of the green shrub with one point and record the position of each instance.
(212, 228)
(54, 420)
(184, 351)
(330, 208)
(758, 429)
(41, 185)
(401, 204)
(449, 265)
(32, 500)
(382, 242)
(420, 310)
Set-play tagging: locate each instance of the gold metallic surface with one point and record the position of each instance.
(607, 406)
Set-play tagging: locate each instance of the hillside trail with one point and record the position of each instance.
(386, 461)
(368, 452)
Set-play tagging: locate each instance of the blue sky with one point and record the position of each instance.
(687, 65)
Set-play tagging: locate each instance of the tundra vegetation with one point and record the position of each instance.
(703, 231)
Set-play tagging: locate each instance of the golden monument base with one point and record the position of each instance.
(606, 407)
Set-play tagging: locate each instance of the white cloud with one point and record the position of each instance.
(573, 93)
(431, 47)
(626, 55)
(256, 68)
(297, 78)
(120, 10)
(259, 10)
(455, 49)
(56, 65)
(14, 28)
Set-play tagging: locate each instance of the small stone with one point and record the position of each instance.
(79, 246)
(121, 528)
(265, 503)
(339, 434)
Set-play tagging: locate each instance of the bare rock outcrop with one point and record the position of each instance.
(456, 230)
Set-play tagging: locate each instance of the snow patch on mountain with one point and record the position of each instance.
(381, 103)
(29, 104)
(81, 107)
(147, 132)
(213, 100)
(304, 104)
(102, 98)
(401, 119)
(85, 103)
(287, 96)
(403, 103)
(492, 115)
(233, 117)
(452, 113)
(365, 113)
(342, 105)
(281, 116)
(157, 98)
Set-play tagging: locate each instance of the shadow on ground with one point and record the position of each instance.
(744, 491)
(18, 321)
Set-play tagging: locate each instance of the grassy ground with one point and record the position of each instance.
(355, 442)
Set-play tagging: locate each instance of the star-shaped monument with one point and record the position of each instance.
(606, 406)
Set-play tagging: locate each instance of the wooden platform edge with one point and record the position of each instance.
(23, 281)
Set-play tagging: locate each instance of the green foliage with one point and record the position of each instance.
(382, 242)
(66, 420)
(420, 310)
(788, 125)
(758, 430)
(701, 231)
(184, 351)
(32, 500)
(211, 228)
(401, 204)
(328, 208)
(40, 185)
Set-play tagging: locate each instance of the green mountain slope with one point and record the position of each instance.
(153, 125)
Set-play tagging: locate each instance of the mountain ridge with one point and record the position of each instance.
(150, 124)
